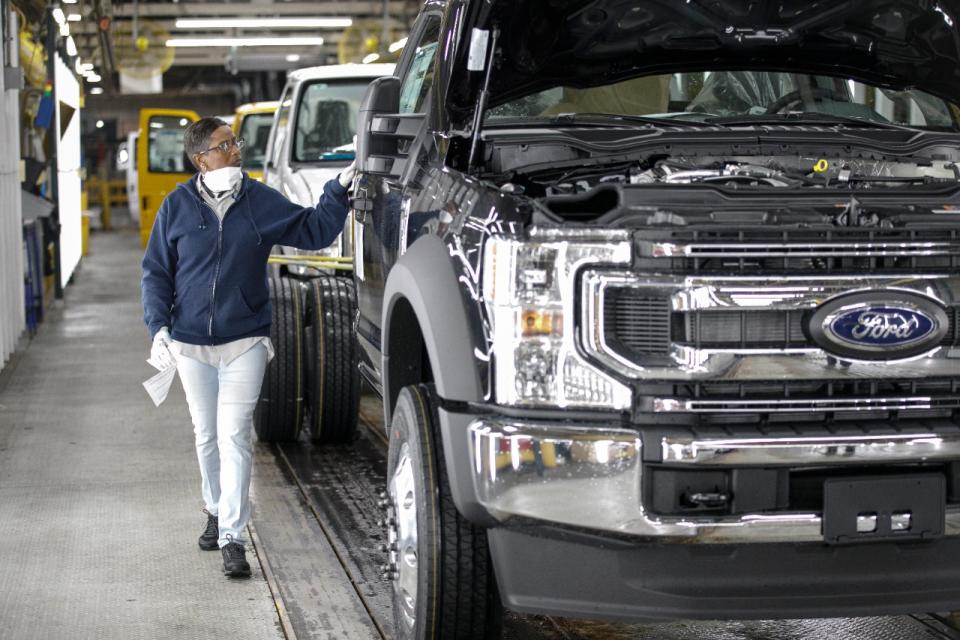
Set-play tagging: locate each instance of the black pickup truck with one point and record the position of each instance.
(663, 302)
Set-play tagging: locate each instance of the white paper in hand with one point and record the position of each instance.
(158, 386)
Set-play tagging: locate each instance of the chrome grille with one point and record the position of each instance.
(758, 329)
(828, 250)
(790, 402)
(637, 324)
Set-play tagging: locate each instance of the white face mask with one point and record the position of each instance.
(223, 179)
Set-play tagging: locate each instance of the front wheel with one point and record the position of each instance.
(440, 570)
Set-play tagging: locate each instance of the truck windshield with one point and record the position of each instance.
(327, 120)
(255, 131)
(742, 95)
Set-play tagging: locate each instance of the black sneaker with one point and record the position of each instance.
(208, 539)
(234, 561)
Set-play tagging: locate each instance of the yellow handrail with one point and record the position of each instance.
(316, 262)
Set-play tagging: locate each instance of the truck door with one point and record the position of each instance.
(275, 161)
(133, 196)
(161, 162)
(380, 233)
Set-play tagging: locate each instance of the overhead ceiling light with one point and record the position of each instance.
(58, 16)
(293, 57)
(74, 17)
(263, 23)
(99, 124)
(71, 46)
(96, 91)
(94, 77)
(69, 1)
(245, 42)
(396, 46)
(370, 57)
(86, 67)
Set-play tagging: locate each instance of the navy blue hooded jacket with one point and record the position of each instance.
(207, 280)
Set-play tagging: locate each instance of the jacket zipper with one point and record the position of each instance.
(216, 275)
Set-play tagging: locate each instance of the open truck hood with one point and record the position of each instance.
(895, 44)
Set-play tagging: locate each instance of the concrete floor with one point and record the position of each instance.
(100, 503)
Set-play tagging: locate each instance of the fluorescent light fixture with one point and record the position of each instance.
(156, 125)
(64, 29)
(93, 77)
(74, 17)
(245, 42)
(71, 46)
(69, 1)
(396, 46)
(99, 124)
(263, 23)
(293, 57)
(86, 67)
(370, 57)
(58, 16)
(96, 91)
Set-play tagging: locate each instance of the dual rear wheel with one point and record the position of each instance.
(313, 379)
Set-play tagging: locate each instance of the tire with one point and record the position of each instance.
(279, 413)
(456, 596)
(330, 356)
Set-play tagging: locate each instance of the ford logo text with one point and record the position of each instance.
(879, 325)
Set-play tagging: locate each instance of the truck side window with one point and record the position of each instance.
(419, 77)
(280, 132)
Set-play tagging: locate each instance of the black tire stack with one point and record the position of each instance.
(279, 413)
(330, 359)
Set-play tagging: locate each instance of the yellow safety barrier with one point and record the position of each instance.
(106, 194)
(317, 262)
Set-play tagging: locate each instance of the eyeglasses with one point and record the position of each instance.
(225, 146)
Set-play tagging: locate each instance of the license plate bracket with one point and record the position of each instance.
(884, 508)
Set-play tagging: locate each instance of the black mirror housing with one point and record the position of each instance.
(382, 97)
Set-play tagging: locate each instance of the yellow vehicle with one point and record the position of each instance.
(252, 123)
(161, 162)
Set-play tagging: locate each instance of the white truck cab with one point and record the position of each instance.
(311, 140)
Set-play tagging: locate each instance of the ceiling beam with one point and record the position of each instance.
(354, 8)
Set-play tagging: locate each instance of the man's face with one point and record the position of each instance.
(216, 158)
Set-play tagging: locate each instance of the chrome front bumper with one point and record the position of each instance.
(591, 476)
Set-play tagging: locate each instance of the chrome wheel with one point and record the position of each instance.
(402, 536)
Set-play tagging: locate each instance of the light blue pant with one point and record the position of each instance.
(221, 401)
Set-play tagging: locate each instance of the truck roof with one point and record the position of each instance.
(339, 71)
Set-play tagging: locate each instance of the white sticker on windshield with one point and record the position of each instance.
(477, 61)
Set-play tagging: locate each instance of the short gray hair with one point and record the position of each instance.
(196, 139)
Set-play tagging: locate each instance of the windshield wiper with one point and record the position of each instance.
(805, 117)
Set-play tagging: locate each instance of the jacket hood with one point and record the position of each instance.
(190, 187)
(894, 44)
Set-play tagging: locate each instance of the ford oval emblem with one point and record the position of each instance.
(879, 325)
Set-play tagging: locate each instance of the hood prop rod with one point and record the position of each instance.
(482, 100)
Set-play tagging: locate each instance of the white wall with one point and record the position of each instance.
(68, 173)
(12, 319)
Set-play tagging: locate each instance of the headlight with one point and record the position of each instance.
(529, 288)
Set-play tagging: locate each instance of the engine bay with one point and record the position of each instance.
(738, 172)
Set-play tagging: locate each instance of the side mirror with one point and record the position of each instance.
(382, 97)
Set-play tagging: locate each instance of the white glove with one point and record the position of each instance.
(346, 176)
(160, 351)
